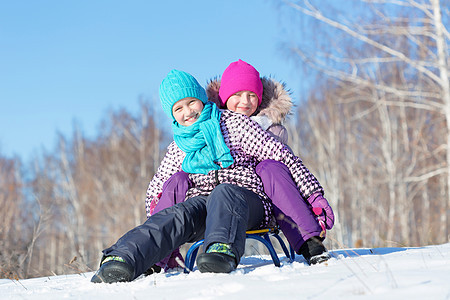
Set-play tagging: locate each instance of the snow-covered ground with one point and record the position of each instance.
(378, 273)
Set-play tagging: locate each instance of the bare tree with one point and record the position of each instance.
(390, 68)
(10, 218)
(91, 191)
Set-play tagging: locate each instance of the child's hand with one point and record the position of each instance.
(155, 201)
(322, 210)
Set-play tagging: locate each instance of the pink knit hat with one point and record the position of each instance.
(240, 76)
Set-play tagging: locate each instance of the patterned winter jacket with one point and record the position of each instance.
(249, 144)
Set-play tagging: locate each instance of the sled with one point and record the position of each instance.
(261, 235)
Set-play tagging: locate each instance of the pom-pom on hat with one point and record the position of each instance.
(178, 85)
(240, 76)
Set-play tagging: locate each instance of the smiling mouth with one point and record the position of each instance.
(192, 117)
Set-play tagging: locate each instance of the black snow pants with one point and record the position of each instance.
(223, 216)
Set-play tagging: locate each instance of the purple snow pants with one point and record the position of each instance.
(174, 191)
(293, 214)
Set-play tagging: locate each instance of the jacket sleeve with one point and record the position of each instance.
(260, 144)
(279, 132)
(170, 164)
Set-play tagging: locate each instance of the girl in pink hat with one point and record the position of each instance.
(267, 102)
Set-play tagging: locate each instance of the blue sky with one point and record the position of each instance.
(67, 62)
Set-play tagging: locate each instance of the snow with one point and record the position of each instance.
(377, 273)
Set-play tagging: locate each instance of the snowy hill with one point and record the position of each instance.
(379, 273)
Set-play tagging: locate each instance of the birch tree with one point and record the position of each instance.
(408, 39)
(10, 218)
(94, 189)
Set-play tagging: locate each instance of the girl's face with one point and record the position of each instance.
(243, 102)
(187, 110)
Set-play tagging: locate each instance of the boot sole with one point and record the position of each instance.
(215, 263)
(112, 273)
(318, 259)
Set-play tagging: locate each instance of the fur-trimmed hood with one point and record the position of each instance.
(276, 100)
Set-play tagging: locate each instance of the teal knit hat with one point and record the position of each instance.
(178, 85)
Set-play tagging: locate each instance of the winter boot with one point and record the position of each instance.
(153, 270)
(218, 259)
(314, 251)
(113, 269)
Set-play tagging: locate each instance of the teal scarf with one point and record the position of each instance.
(203, 142)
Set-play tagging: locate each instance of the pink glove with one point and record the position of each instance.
(322, 210)
(153, 204)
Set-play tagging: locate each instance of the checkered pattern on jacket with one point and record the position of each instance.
(249, 144)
